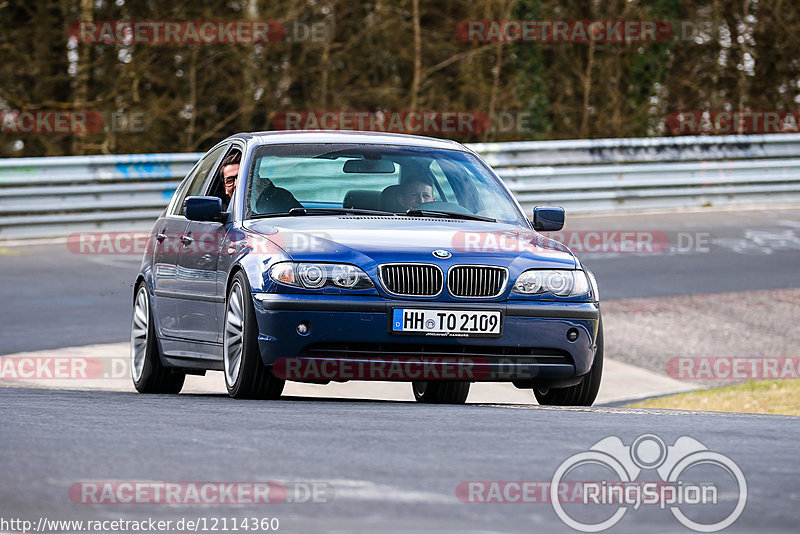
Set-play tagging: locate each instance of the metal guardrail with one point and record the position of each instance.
(57, 196)
(650, 173)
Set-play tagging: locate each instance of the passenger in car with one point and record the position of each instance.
(275, 199)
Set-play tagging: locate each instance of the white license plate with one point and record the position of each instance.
(454, 323)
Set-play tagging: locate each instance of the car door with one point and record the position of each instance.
(168, 233)
(198, 260)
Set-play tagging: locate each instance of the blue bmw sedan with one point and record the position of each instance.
(334, 256)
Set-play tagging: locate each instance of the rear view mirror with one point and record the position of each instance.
(548, 219)
(203, 208)
(368, 166)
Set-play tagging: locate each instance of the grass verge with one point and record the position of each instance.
(780, 397)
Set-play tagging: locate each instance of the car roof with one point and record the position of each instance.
(339, 136)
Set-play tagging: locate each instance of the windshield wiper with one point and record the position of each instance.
(450, 214)
(323, 211)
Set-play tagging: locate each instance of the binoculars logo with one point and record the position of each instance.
(674, 490)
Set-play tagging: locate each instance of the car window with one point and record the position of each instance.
(180, 192)
(378, 177)
(490, 200)
(216, 186)
(195, 181)
(319, 181)
(442, 182)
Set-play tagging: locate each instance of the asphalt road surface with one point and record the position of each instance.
(54, 298)
(375, 466)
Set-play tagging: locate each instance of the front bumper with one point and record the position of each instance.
(533, 344)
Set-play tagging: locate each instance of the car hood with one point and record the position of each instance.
(366, 240)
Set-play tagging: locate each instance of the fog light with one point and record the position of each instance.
(572, 334)
(303, 328)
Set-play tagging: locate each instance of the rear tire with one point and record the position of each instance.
(246, 376)
(441, 392)
(148, 373)
(582, 394)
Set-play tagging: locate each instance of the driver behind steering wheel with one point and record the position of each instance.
(416, 191)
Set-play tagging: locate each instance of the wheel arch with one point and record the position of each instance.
(255, 268)
(236, 268)
(140, 279)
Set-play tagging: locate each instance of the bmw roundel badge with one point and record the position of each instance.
(442, 254)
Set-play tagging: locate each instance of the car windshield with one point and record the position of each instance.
(311, 179)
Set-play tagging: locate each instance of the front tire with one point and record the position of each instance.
(148, 373)
(246, 376)
(441, 392)
(583, 393)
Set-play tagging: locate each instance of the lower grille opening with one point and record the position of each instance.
(398, 350)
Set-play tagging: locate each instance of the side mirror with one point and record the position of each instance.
(203, 208)
(548, 219)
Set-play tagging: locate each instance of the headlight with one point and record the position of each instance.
(345, 275)
(558, 282)
(319, 275)
(283, 273)
(312, 275)
(529, 283)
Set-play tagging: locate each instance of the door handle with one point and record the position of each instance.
(187, 240)
(160, 237)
